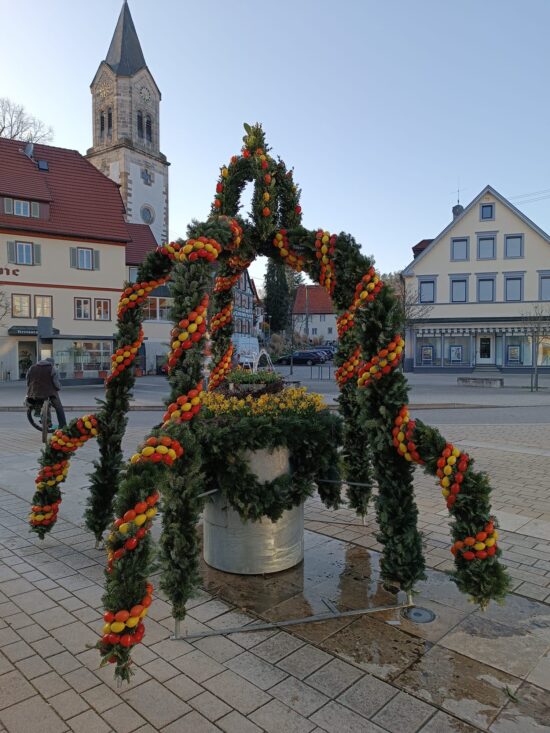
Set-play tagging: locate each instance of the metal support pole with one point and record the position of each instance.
(290, 622)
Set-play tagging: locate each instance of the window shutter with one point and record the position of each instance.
(96, 259)
(8, 206)
(37, 254)
(11, 252)
(35, 209)
(73, 261)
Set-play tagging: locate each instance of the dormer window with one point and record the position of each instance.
(149, 130)
(140, 125)
(21, 208)
(102, 124)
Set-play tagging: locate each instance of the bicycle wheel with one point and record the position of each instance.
(46, 420)
(34, 417)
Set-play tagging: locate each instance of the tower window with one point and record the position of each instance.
(109, 122)
(101, 124)
(149, 129)
(140, 124)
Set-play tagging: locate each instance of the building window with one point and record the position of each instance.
(84, 258)
(157, 309)
(329, 330)
(486, 290)
(35, 210)
(426, 291)
(314, 332)
(147, 214)
(109, 122)
(544, 287)
(487, 212)
(322, 317)
(486, 248)
(20, 306)
(459, 250)
(24, 253)
(102, 124)
(102, 309)
(459, 290)
(43, 306)
(8, 206)
(83, 309)
(140, 124)
(513, 288)
(148, 129)
(21, 208)
(513, 245)
(132, 274)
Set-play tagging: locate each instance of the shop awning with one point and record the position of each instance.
(26, 331)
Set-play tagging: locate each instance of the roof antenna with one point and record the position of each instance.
(457, 208)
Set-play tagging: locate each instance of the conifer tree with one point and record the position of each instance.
(277, 301)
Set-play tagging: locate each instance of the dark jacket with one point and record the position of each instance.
(42, 380)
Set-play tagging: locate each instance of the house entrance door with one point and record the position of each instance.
(485, 349)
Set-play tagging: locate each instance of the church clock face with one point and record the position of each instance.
(145, 94)
(104, 89)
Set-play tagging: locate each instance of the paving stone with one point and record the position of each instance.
(81, 679)
(299, 696)
(89, 615)
(277, 647)
(304, 661)
(33, 667)
(219, 648)
(19, 621)
(64, 662)
(443, 723)
(68, 704)
(13, 587)
(5, 664)
(210, 706)
(123, 718)
(33, 714)
(334, 677)
(8, 636)
(160, 670)
(101, 698)
(236, 691)
(183, 687)
(75, 636)
(50, 684)
(58, 594)
(237, 723)
(72, 603)
(53, 618)
(14, 688)
(17, 651)
(47, 647)
(34, 601)
(336, 718)
(192, 722)
(276, 717)
(197, 665)
(32, 633)
(367, 696)
(403, 714)
(88, 722)
(209, 610)
(91, 595)
(169, 649)
(256, 670)
(155, 703)
(106, 675)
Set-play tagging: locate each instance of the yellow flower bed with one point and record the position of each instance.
(290, 400)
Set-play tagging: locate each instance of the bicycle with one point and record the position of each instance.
(39, 414)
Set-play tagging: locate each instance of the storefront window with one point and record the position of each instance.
(428, 351)
(456, 351)
(82, 358)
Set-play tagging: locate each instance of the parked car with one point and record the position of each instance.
(301, 357)
(328, 350)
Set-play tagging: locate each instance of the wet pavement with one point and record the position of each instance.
(489, 669)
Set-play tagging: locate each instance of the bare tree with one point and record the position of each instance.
(17, 124)
(536, 324)
(411, 307)
(4, 305)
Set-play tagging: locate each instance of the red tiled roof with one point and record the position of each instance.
(318, 300)
(84, 203)
(421, 246)
(142, 241)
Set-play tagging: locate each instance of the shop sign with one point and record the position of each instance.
(10, 271)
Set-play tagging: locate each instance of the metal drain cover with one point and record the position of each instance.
(418, 615)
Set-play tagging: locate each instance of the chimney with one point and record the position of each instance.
(457, 210)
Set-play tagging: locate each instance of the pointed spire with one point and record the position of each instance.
(125, 56)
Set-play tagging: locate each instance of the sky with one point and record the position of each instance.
(383, 107)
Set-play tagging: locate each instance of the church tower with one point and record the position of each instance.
(126, 129)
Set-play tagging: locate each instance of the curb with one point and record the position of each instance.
(92, 408)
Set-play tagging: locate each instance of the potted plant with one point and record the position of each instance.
(262, 455)
(244, 381)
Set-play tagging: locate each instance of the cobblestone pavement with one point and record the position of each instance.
(465, 672)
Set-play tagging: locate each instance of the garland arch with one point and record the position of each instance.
(382, 443)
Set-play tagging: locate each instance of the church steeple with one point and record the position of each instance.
(126, 128)
(125, 56)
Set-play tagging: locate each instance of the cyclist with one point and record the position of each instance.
(43, 383)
